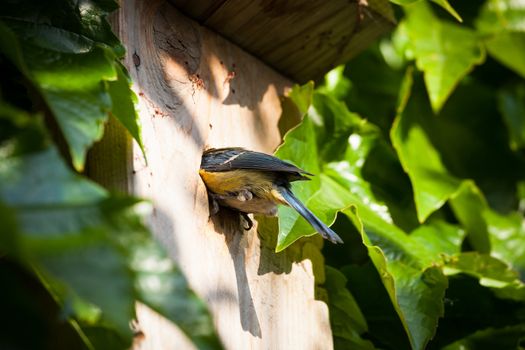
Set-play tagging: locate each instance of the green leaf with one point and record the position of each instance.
(491, 273)
(86, 245)
(468, 204)
(443, 3)
(446, 5)
(399, 262)
(432, 183)
(402, 263)
(123, 101)
(63, 228)
(79, 79)
(346, 319)
(86, 18)
(95, 247)
(326, 132)
(440, 238)
(501, 15)
(299, 147)
(445, 52)
(70, 73)
(509, 49)
(301, 95)
(367, 97)
(502, 23)
(335, 83)
(510, 337)
(506, 234)
(511, 103)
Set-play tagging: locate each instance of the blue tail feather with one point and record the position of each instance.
(317, 224)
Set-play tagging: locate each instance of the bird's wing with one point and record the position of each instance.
(225, 159)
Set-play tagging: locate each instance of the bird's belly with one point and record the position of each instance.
(255, 205)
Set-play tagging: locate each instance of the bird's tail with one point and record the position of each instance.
(317, 224)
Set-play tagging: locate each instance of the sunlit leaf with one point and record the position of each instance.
(443, 3)
(506, 233)
(440, 238)
(503, 25)
(445, 52)
(501, 15)
(123, 105)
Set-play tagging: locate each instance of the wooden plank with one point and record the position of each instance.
(197, 90)
(303, 39)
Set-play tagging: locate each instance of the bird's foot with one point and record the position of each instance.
(214, 204)
(244, 195)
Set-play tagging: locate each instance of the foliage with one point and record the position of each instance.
(418, 143)
(74, 258)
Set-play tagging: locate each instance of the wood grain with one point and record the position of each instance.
(302, 39)
(198, 90)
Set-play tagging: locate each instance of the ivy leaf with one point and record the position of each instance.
(445, 52)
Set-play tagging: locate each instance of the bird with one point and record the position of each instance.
(255, 182)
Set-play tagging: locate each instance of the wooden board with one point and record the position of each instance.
(198, 90)
(303, 39)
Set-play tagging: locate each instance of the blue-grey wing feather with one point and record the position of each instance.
(239, 158)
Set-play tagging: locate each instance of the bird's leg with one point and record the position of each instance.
(244, 195)
(214, 204)
(248, 221)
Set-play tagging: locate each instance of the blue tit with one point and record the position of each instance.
(255, 182)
